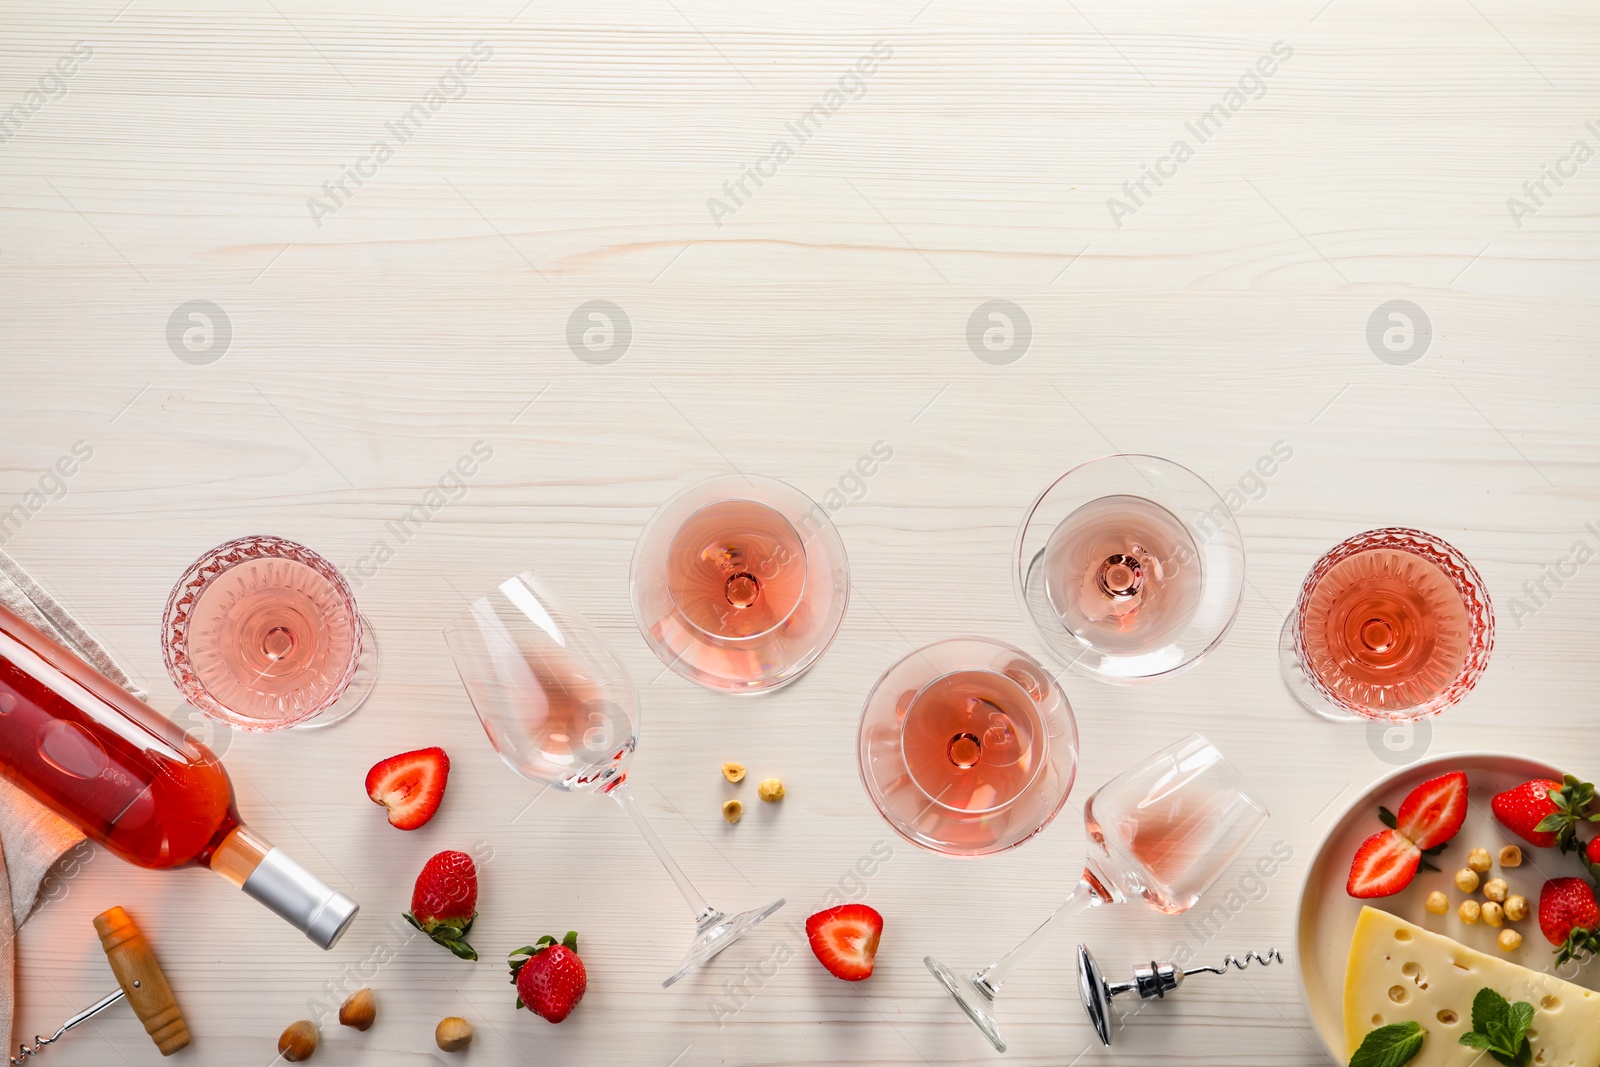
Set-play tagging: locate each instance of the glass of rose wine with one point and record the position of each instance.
(968, 747)
(1391, 624)
(561, 709)
(262, 633)
(740, 583)
(1130, 568)
(1162, 832)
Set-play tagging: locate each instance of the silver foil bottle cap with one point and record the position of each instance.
(300, 898)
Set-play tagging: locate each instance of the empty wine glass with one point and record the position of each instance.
(740, 583)
(1129, 568)
(968, 746)
(1162, 832)
(1391, 624)
(263, 633)
(560, 708)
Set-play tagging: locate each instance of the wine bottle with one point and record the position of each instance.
(132, 781)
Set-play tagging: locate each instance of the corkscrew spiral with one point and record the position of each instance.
(1266, 958)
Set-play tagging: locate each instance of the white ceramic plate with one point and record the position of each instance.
(1325, 919)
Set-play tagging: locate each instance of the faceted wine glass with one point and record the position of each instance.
(262, 633)
(968, 747)
(1162, 832)
(1391, 624)
(1130, 568)
(740, 583)
(560, 708)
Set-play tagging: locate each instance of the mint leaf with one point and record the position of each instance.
(1500, 1028)
(1389, 1046)
(1488, 1007)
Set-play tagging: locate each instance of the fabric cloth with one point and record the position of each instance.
(32, 837)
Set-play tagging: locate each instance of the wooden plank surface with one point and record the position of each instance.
(376, 335)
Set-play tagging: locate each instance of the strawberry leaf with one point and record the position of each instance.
(571, 940)
(459, 947)
(1387, 817)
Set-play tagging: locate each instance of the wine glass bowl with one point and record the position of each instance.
(555, 701)
(967, 746)
(1391, 624)
(262, 633)
(1129, 567)
(739, 583)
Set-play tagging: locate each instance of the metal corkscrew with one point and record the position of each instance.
(1155, 980)
(139, 981)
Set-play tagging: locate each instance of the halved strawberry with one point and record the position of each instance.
(845, 939)
(1385, 863)
(1434, 811)
(410, 785)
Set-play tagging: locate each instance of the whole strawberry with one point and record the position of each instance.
(1591, 856)
(1570, 918)
(1546, 813)
(549, 976)
(445, 901)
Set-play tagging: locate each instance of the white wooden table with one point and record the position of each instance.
(373, 336)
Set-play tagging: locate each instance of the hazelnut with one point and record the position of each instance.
(1478, 860)
(358, 1010)
(770, 789)
(1466, 880)
(1493, 914)
(1437, 903)
(299, 1041)
(1516, 908)
(1495, 889)
(733, 772)
(732, 810)
(1509, 940)
(1511, 856)
(1471, 911)
(453, 1034)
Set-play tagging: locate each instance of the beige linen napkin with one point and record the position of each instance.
(32, 837)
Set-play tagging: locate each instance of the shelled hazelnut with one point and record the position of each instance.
(732, 810)
(770, 789)
(1516, 907)
(452, 1034)
(733, 772)
(1496, 890)
(1509, 940)
(1466, 880)
(1511, 856)
(1471, 911)
(1478, 860)
(1437, 903)
(1493, 914)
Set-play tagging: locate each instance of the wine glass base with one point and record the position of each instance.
(716, 933)
(360, 687)
(1299, 683)
(970, 998)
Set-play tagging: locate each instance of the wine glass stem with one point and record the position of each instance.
(624, 796)
(990, 979)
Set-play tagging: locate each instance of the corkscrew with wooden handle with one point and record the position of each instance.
(142, 985)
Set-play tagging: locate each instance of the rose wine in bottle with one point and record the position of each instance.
(131, 780)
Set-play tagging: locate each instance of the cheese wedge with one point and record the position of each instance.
(1399, 972)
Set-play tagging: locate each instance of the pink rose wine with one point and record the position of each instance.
(1392, 624)
(263, 634)
(1123, 574)
(973, 742)
(736, 569)
(739, 583)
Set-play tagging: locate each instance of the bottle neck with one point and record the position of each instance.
(288, 890)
